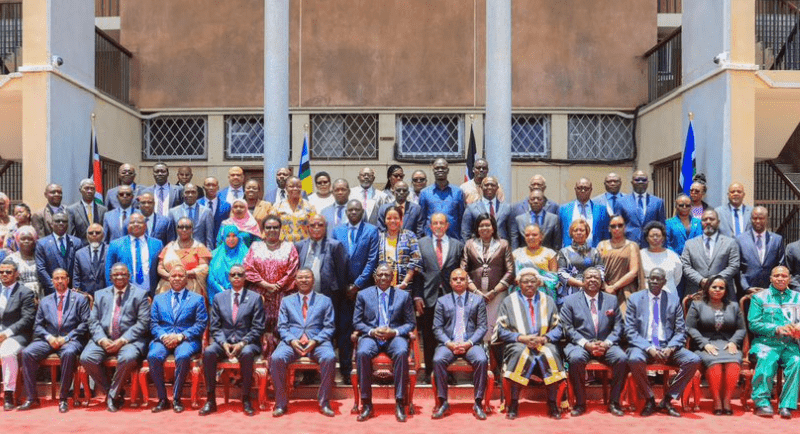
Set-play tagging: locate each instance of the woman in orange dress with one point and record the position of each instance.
(190, 253)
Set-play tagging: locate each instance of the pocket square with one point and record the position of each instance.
(610, 312)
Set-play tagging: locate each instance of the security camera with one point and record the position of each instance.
(57, 61)
(721, 58)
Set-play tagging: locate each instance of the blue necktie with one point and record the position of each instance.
(176, 304)
(192, 213)
(736, 221)
(613, 203)
(384, 311)
(351, 237)
(339, 210)
(656, 322)
(124, 226)
(460, 328)
(63, 247)
(139, 269)
(583, 211)
(536, 218)
(641, 207)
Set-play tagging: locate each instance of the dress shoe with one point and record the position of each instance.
(177, 406)
(441, 411)
(346, 380)
(400, 412)
(613, 408)
(764, 411)
(553, 411)
(728, 412)
(278, 412)
(209, 407)
(785, 413)
(366, 413)
(513, 410)
(247, 406)
(477, 411)
(63, 406)
(111, 404)
(161, 406)
(717, 412)
(578, 410)
(326, 410)
(8, 400)
(666, 407)
(29, 404)
(649, 408)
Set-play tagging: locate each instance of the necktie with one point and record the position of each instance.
(94, 256)
(533, 313)
(491, 208)
(236, 194)
(139, 269)
(115, 332)
(439, 253)
(62, 246)
(708, 248)
(122, 222)
(459, 328)
(595, 318)
(339, 210)
(351, 237)
(656, 322)
(283, 194)
(176, 304)
(305, 307)
(365, 199)
(760, 247)
(613, 203)
(736, 221)
(89, 213)
(641, 206)
(583, 211)
(60, 309)
(161, 200)
(193, 213)
(235, 311)
(149, 229)
(384, 311)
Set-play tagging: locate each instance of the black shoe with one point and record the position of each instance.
(63, 406)
(728, 412)
(578, 410)
(513, 410)
(161, 406)
(666, 407)
(764, 411)
(400, 412)
(553, 411)
(442, 411)
(177, 406)
(209, 407)
(614, 409)
(717, 412)
(8, 400)
(278, 412)
(477, 411)
(29, 404)
(366, 413)
(785, 413)
(111, 404)
(346, 380)
(247, 406)
(649, 407)
(326, 410)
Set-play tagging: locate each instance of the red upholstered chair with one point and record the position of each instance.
(604, 371)
(82, 378)
(230, 367)
(749, 365)
(461, 365)
(195, 374)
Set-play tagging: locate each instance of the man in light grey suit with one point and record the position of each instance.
(85, 211)
(711, 254)
(548, 222)
(202, 220)
(760, 251)
(488, 204)
(118, 326)
(612, 195)
(734, 216)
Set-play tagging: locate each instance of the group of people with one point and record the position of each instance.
(281, 275)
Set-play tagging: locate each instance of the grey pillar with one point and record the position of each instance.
(276, 88)
(497, 126)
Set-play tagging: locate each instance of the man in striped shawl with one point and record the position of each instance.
(528, 325)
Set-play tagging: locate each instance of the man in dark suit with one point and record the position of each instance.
(139, 252)
(306, 326)
(324, 257)
(115, 222)
(237, 323)
(734, 216)
(157, 226)
(42, 221)
(710, 254)
(277, 194)
(593, 327)
(62, 322)
(235, 188)
(537, 182)
(118, 325)
(584, 208)
(640, 208)
(202, 220)
(89, 273)
(412, 213)
(459, 324)
(548, 222)
(220, 209)
(488, 204)
(55, 251)
(167, 195)
(185, 176)
(361, 242)
(178, 319)
(384, 317)
(612, 195)
(126, 176)
(85, 211)
(335, 214)
(760, 251)
(656, 332)
(440, 256)
(17, 313)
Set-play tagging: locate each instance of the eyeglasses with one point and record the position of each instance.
(125, 194)
(684, 205)
(236, 274)
(695, 190)
(60, 221)
(6, 272)
(316, 225)
(419, 179)
(94, 232)
(639, 179)
(272, 228)
(184, 226)
(617, 226)
(583, 188)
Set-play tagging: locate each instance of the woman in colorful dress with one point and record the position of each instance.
(534, 255)
(574, 259)
(249, 229)
(399, 249)
(188, 252)
(621, 262)
(294, 212)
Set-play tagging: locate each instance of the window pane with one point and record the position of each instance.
(337, 136)
(175, 137)
(430, 135)
(600, 137)
(530, 136)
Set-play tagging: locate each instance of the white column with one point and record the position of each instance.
(498, 92)
(276, 88)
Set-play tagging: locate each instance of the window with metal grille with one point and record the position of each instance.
(340, 136)
(244, 137)
(600, 137)
(175, 138)
(530, 136)
(430, 136)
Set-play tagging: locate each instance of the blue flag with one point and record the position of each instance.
(688, 166)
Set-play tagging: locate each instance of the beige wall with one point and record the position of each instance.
(119, 133)
(660, 133)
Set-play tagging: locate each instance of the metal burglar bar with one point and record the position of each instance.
(175, 138)
(780, 196)
(430, 136)
(664, 66)
(341, 136)
(666, 181)
(600, 137)
(530, 136)
(11, 181)
(112, 67)
(10, 37)
(244, 137)
(778, 34)
(106, 8)
(669, 6)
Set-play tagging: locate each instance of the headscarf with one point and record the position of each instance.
(22, 230)
(247, 223)
(223, 258)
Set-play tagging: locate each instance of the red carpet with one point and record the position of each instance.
(303, 418)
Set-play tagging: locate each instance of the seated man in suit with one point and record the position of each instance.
(335, 214)
(593, 327)
(156, 226)
(306, 326)
(119, 324)
(89, 274)
(640, 208)
(384, 316)
(656, 332)
(62, 322)
(528, 325)
(139, 252)
(489, 204)
(324, 256)
(237, 323)
(127, 176)
(711, 254)
(459, 324)
(412, 213)
(167, 195)
(219, 207)
(42, 221)
(85, 211)
(548, 222)
(17, 313)
(612, 195)
(773, 319)
(760, 251)
(54, 251)
(178, 319)
(203, 222)
(584, 208)
(115, 222)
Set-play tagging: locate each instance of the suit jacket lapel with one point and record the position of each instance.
(663, 305)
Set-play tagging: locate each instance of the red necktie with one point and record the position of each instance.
(365, 200)
(115, 319)
(235, 306)
(595, 317)
(491, 208)
(533, 314)
(304, 338)
(60, 308)
(439, 253)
